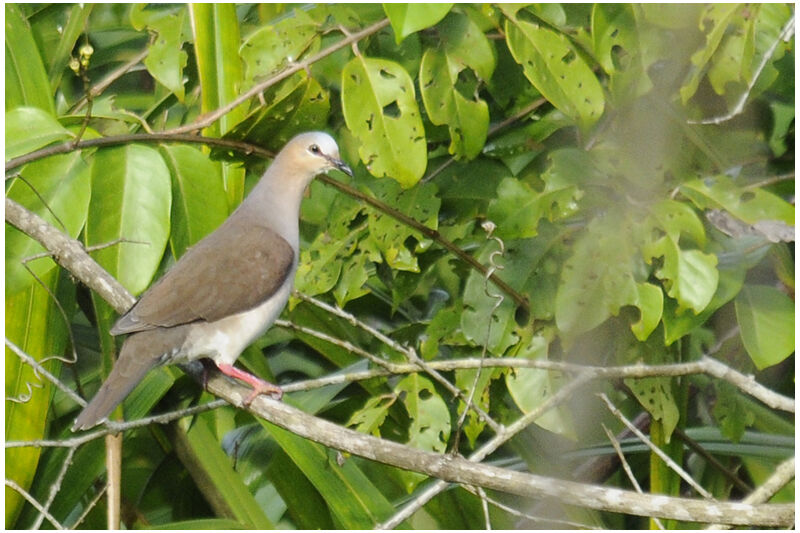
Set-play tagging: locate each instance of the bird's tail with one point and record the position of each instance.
(133, 363)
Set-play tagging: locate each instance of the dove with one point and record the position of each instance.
(227, 289)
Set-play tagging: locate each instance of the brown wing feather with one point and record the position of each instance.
(228, 272)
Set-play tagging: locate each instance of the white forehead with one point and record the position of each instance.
(321, 139)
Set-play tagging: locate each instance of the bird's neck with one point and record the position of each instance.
(275, 202)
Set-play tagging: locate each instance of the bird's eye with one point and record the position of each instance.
(314, 149)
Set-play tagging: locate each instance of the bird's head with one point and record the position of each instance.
(313, 153)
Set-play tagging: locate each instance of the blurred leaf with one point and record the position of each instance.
(749, 205)
(518, 209)
(732, 415)
(26, 78)
(409, 18)
(597, 279)
(380, 109)
(766, 324)
(650, 301)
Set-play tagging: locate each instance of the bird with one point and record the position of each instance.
(227, 289)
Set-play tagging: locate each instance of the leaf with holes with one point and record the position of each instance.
(554, 67)
(655, 395)
(597, 280)
(369, 418)
(165, 60)
(380, 109)
(430, 419)
(749, 205)
(466, 118)
(518, 209)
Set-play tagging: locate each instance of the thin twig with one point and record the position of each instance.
(655, 449)
(786, 32)
(24, 493)
(54, 488)
(44, 372)
(627, 468)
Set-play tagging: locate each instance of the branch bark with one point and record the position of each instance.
(71, 256)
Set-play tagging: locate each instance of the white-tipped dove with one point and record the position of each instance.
(227, 289)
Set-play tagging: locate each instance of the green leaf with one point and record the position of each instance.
(731, 412)
(410, 18)
(597, 280)
(430, 420)
(714, 21)
(299, 104)
(614, 34)
(369, 418)
(518, 209)
(467, 118)
(650, 301)
(131, 197)
(216, 43)
(750, 205)
(391, 236)
(655, 395)
(766, 324)
(557, 71)
(199, 205)
(30, 128)
(67, 36)
(530, 388)
(379, 106)
(26, 78)
(353, 500)
(690, 276)
(33, 323)
(213, 472)
(165, 59)
(273, 47)
(58, 185)
(354, 277)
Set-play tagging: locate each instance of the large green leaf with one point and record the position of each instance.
(380, 109)
(131, 197)
(409, 18)
(353, 500)
(518, 209)
(766, 324)
(34, 324)
(30, 128)
(26, 78)
(198, 196)
(216, 43)
(553, 66)
(57, 189)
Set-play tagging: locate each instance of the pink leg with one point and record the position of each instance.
(259, 385)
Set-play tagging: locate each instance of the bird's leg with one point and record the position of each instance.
(259, 385)
(208, 365)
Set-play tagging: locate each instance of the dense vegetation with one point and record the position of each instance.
(576, 189)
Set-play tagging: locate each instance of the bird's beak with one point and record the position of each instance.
(341, 165)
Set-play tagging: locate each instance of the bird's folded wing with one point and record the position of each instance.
(228, 272)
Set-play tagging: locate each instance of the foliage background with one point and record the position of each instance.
(636, 163)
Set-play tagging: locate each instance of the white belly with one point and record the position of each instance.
(224, 340)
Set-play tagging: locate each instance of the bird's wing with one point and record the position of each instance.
(228, 272)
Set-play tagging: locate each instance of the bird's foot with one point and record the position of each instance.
(259, 385)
